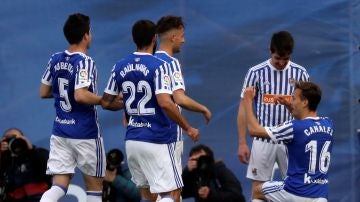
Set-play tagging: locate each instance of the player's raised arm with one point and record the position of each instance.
(283, 101)
(255, 129)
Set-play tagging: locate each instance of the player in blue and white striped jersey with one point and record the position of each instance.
(308, 139)
(274, 77)
(145, 84)
(171, 34)
(70, 78)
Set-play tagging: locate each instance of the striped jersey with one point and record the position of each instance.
(268, 82)
(309, 145)
(140, 77)
(65, 73)
(177, 81)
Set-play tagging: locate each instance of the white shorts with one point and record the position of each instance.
(274, 191)
(154, 165)
(86, 154)
(179, 149)
(264, 154)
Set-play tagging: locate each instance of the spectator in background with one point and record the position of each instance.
(22, 168)
(118, 186)
(208, 180)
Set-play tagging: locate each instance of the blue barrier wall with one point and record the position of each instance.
(223, 39)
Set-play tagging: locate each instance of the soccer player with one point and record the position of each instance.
(144, 82)
(274, 77)
(309, 142)
(171, 34)
(70, 78)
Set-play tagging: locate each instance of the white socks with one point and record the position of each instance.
(166, 199)
(94, 196)
(53, 194)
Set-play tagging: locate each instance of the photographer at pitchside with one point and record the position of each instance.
(208, 180)
(22, 168)
(117, 185)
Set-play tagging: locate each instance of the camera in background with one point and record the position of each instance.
(17, 146)
(114, 159)
(204, 170)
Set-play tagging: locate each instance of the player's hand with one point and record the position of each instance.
(207, 115)
(281, 100)
(204, 192)
(110, 175)
(192, 163)
(193, 133)
(249, 93)
(243, 153)
(4, 145)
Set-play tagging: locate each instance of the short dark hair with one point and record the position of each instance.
(311, 92)
(201, 147)
(75, 27)
(143, 31)
(13, 128)
(169, 22)
(282, 43)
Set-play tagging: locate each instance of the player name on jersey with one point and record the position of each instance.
(318, 129)
(138, 67)
(63, 66)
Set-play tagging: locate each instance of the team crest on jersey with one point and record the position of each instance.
(83, 74)
(177, 76)
(254, 171)
(267, 83)
(292, 81)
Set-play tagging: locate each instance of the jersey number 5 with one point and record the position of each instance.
(63, 85)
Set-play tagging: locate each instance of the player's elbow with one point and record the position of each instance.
(252, 132)
(79, 96)
(43, 95)
(180, 100)
(165, 105)
(164, 100)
